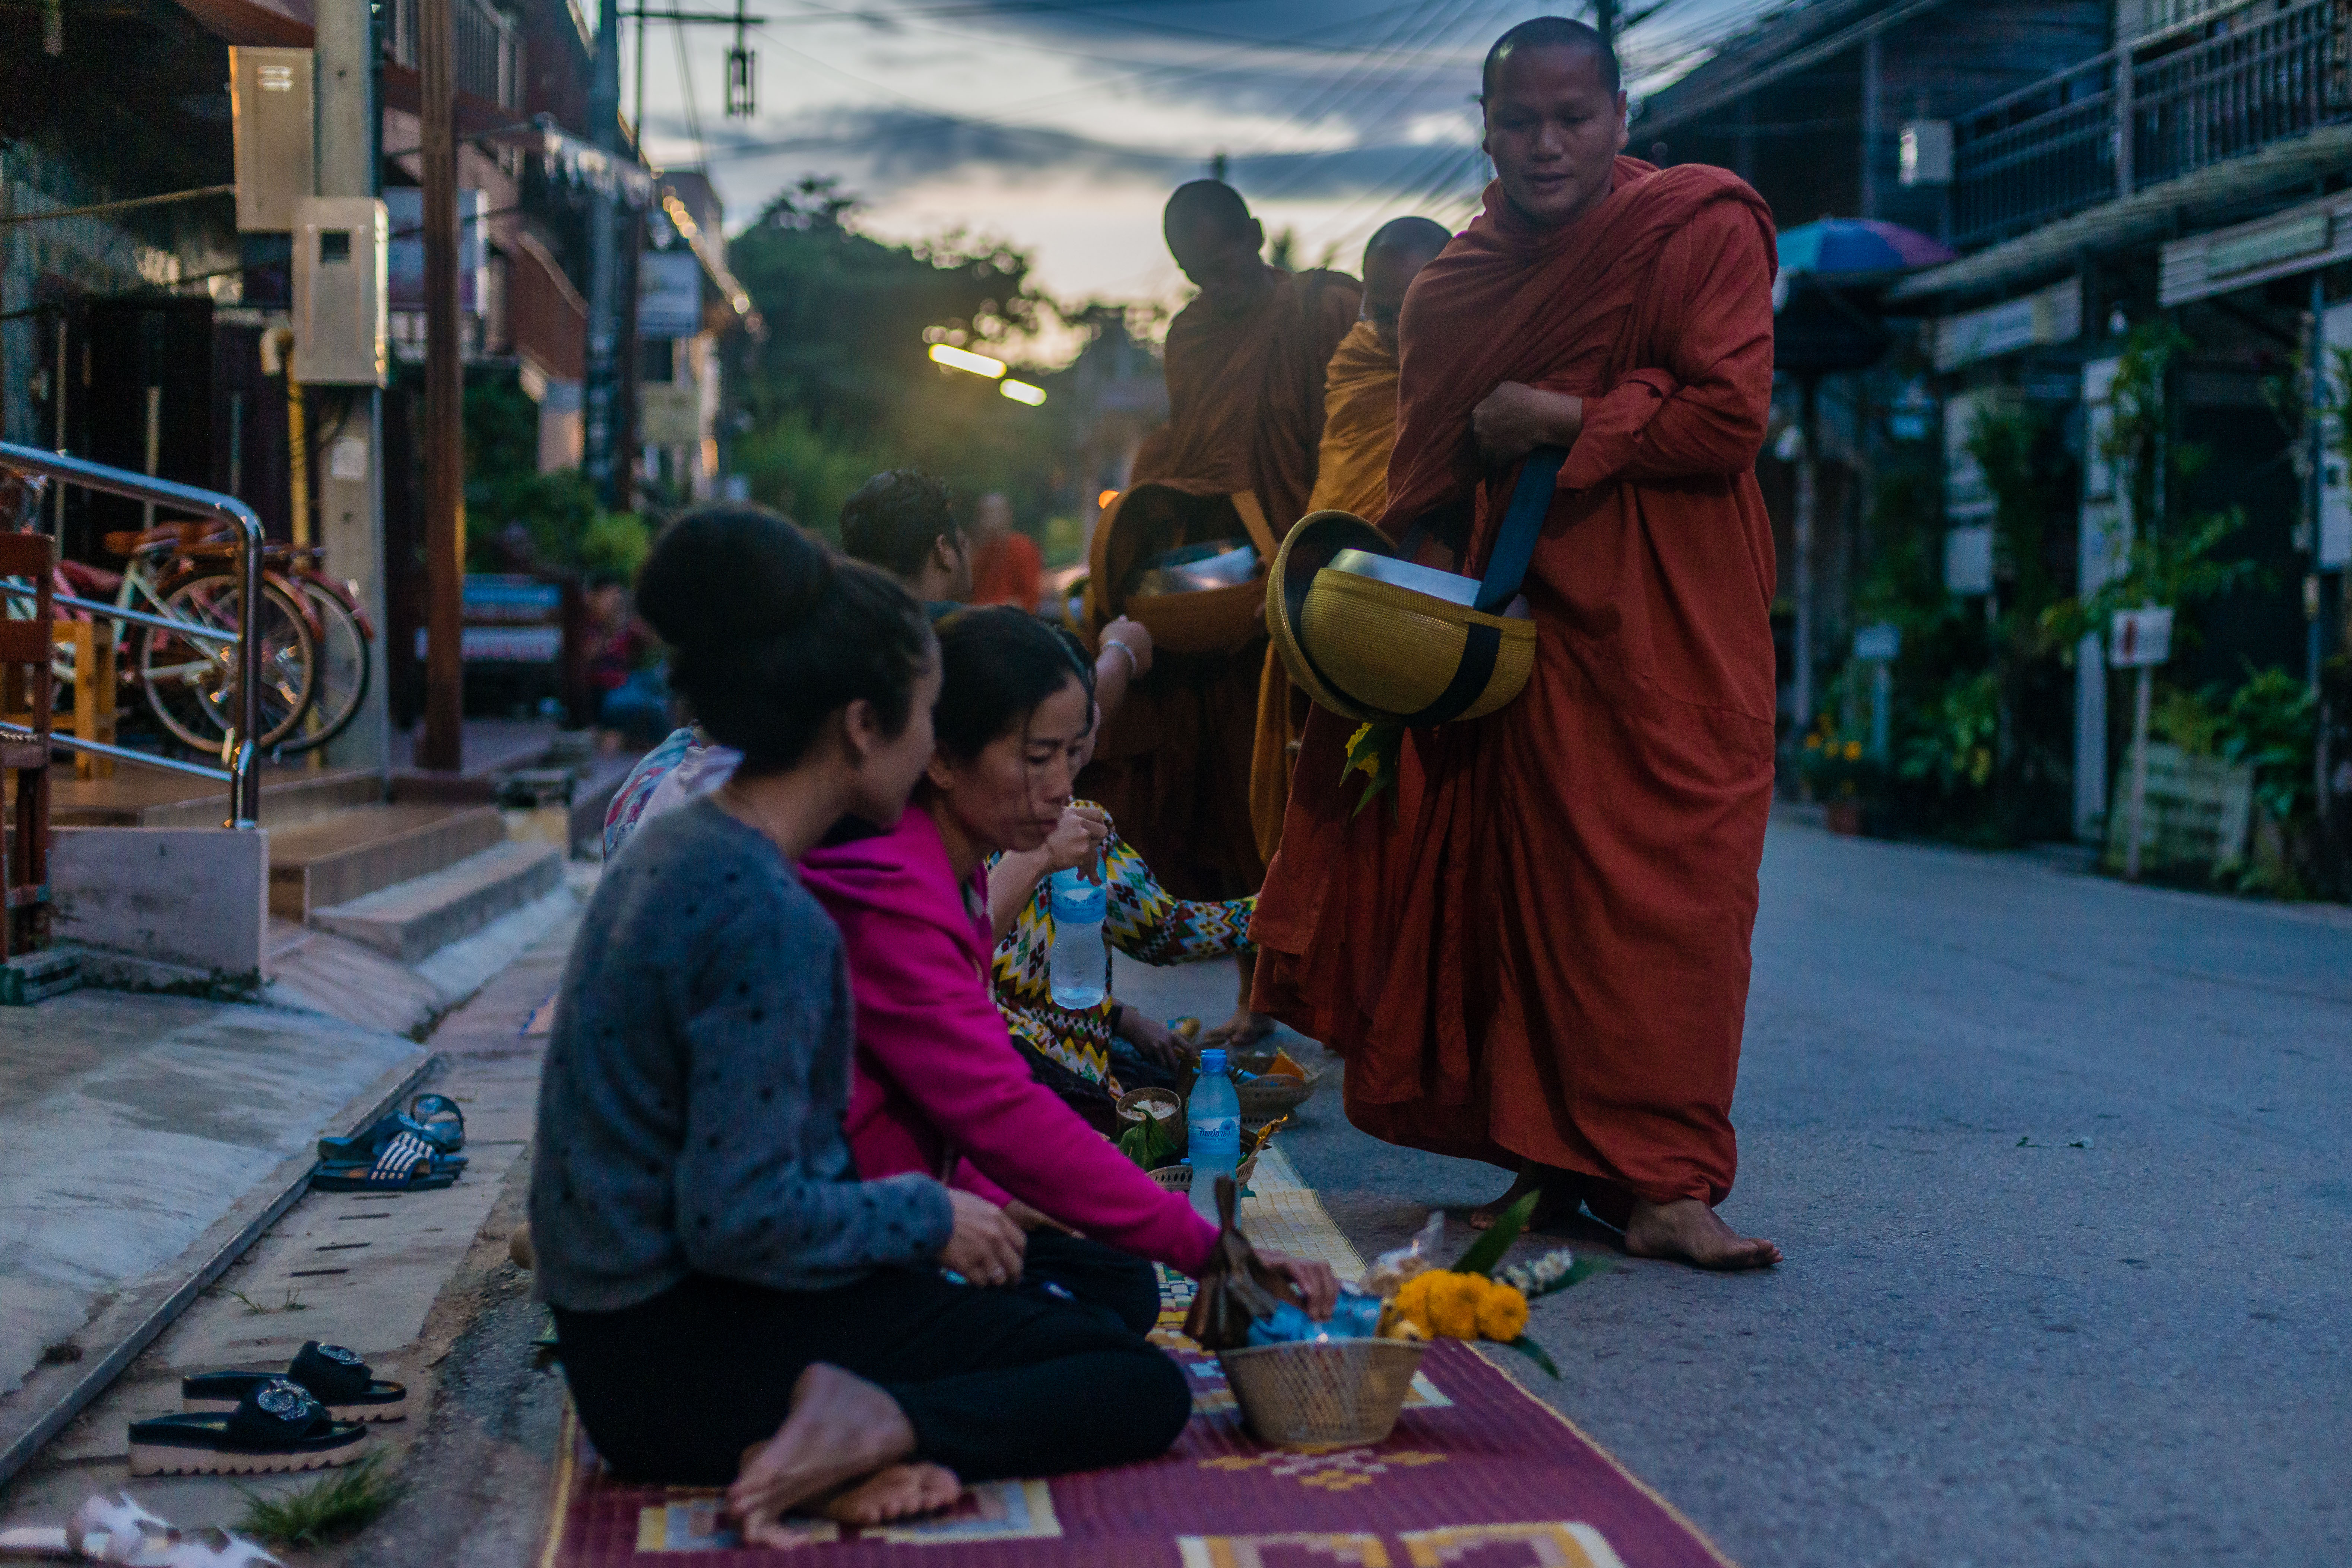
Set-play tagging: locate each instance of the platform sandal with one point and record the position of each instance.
(276, 1427)
(331, 1375)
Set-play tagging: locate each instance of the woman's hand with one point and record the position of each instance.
(1517, 418)
(1156, 1041)
(985, 1246)
(1314, 1280)
(1077, 841)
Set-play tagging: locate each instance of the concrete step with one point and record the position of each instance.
(143, 797)
(355, 852)
(423, 914)
(34, 977)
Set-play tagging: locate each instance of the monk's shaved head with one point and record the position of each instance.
(1210, 203)
(1215, 242)
(1399, 249)
(1414, 238)
(1552, 33)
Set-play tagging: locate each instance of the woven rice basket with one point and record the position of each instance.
(1268, 1098)
(1338, 1393)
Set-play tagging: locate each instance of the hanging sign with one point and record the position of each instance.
(2140, 638)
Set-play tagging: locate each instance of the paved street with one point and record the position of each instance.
(1989, 1344)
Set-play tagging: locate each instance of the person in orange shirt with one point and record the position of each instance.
(1006, 568)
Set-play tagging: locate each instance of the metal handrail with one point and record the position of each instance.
(100, 749)
(189, 629)
(244, 754)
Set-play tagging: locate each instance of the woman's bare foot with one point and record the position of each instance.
(1240, 1032)
(1688, 1230)
(841, 1429)
(900, 1491)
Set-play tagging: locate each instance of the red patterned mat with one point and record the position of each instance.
(1478, 1474)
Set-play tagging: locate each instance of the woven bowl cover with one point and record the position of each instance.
(1344, 1393)
(1394, 651)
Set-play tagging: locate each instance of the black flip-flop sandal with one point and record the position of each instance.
(331, 1375)
(406, 1164)
(276, 1429)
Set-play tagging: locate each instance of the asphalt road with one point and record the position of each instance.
(2060, 1169)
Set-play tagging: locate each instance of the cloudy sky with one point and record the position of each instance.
(1060, 125)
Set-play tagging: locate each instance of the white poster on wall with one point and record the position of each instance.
(2336, 493)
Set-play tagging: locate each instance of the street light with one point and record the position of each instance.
(1021, 391)
(964, 358)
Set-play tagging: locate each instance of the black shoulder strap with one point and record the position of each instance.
(1515, 542)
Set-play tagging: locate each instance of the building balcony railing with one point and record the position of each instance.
(2235, 81)
(489, 54)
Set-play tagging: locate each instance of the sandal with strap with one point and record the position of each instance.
(434, 1118)
(332, 1375)
(275, 1429)
(406, 1164)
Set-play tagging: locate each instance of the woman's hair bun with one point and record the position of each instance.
(770, 632)
(732, 574)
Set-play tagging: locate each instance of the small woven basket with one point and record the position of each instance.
(1179, 1178)
(1272, 1097)
(1339, 1392)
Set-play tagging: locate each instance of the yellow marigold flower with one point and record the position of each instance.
(1410, 1303)
(1853, 751)
(1453, 1304)
(1503, 1314)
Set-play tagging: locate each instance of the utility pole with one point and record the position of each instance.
(1605, 14)
(600, 416)
(350, 482)
(444, 450)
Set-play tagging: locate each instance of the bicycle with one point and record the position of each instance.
(339, 625)
(191, 682)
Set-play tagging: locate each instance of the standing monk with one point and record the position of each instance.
(1244, 366)
(1541, 958)
(1351, 474)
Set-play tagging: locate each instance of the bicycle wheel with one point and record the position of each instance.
(346, 663)
(192, 685)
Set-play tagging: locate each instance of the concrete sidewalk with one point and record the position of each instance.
(396, 1277)
(149, 1138)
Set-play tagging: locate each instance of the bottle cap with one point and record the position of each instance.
(1077, 899)
(1212, 1059)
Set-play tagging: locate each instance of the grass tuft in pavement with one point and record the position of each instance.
(342, 1504)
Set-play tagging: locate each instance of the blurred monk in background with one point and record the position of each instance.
(1245, 365)
(1007, 568)
(1351, 474)
(1540, 959)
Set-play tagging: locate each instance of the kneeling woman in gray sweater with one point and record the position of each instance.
(735, 1305)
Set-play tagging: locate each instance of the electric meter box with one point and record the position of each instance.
(1925, 154)
(273, 137)
(340, 245)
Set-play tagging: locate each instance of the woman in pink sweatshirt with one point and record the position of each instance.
(939, 1088)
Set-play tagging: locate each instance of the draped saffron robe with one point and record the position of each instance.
(1351, 474)
(1244, 413)
(1543, 954)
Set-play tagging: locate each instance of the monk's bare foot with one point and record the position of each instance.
(901, 1491)
(1549, 1212)
(1240, 1032)
(1688, 1230)
(842, 1429)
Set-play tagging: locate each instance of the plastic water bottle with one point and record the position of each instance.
(1080, 964)
(1212, 1132)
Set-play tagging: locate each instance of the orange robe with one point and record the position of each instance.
(1543, 954)
(1351, 474)
(1008, 570)
(1244, 413)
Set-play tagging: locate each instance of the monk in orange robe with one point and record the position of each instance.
(1351, 474)
(1245, 364)
(1540, 959)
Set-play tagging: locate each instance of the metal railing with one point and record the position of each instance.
(2267, 71)
(242, 754)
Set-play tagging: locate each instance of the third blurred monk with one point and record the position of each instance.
(1351, 474)
(1541, 960)
(1245, 364)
